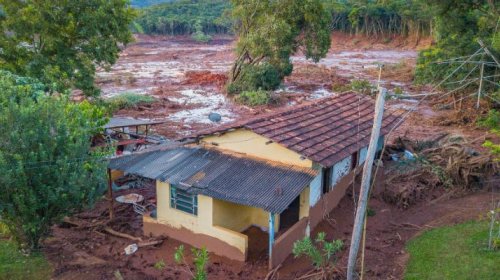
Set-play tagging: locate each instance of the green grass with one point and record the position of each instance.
(453, 252)
(128, 100)
(14, 265)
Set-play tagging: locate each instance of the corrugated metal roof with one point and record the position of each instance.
(325, 131)
(118, 122)
(264, 184)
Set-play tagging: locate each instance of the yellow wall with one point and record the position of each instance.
(304, 204)
(239, 217)
(202, 223)
(247, 142)
(115, 174)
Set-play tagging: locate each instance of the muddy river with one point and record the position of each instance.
(163, 67)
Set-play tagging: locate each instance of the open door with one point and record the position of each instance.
(291, 215)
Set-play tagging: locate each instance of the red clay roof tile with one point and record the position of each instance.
(325, 130)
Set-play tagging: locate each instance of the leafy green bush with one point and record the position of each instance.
(256, 77)
(160, 265)
(200, 261)
(321, 252)
(254, 98)
(362, 86)
(199, 36)
(128, 100)
(46, 157)
(492, 121)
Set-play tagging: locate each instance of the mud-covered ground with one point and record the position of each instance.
(187, 78)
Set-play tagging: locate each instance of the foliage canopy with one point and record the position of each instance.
(48, 168)
(61, 42)
(185, 17)
(269, 32)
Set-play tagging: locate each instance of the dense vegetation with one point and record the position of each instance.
(458, 26)
(147, 3)
(184, 17)
(62, 42)
(381, 18)
(47, 165)
(374, 18)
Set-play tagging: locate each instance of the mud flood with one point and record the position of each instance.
(187, 78)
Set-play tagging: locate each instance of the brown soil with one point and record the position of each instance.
(86, 254)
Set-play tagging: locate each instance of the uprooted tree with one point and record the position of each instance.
(47, 165)
(269, 32)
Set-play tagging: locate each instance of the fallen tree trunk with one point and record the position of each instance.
(121, 234)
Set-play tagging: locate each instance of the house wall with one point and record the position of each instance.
(316, 189)
(239, 217)
(283, 245)
(247, 142)
(199, 230)
(304, 203)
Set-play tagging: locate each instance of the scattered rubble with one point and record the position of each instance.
(444, 164)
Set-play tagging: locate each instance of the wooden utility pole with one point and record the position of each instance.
(110, 195)
(480, 86)
(365, 184)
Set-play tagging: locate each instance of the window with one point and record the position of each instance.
(184, 201)
(354, 160)
(327, 179)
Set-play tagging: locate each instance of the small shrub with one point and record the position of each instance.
(362, 86)
(160, 265)
(254, 98)
(200, 261)
(320, 252)
(492, 122)
(201, 37)
(128, 100)
(370, 212)
(256, 77)
(337, 87)
(398, 91)
(4, 231)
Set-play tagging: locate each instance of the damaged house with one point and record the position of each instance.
(279, 173)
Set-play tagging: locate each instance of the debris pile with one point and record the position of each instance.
(444, 164)
(205, 78)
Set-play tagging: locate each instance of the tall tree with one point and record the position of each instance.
(47, 165)
(61, 42)
(269, 32)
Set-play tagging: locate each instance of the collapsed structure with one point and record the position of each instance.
(282, 172)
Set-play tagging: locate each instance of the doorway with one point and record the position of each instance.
(291, 215)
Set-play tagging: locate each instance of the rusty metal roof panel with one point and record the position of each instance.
(118, 122)
(267, 185)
